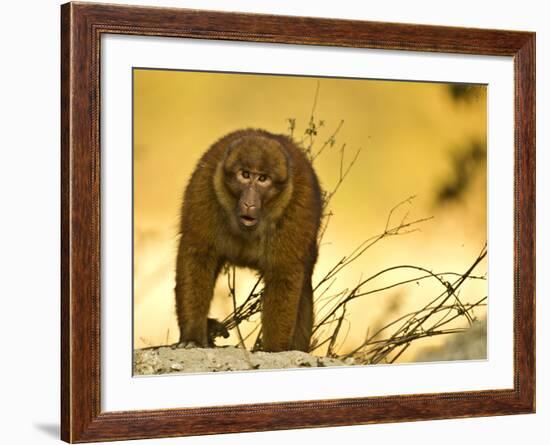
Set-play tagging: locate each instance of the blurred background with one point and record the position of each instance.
(412, 138)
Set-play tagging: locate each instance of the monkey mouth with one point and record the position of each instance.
(248, 221)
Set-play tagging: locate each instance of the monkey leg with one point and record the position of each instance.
(195, 278)
(304, 320)
(280, 309)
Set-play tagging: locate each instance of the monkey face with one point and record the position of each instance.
(253, 186)
(256, 171)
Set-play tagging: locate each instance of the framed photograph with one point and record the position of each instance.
(274, 222)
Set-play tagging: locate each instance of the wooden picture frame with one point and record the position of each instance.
(82, 25)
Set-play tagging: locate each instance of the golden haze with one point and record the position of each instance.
(408, 132)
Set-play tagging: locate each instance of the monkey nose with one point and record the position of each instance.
(249, 206)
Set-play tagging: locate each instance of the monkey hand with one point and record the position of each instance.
(215, 329)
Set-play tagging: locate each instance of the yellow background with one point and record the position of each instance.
(408, 133)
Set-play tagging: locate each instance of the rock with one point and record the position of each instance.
(468, 345)
(350, 361)
(147, 363)
(165, 360)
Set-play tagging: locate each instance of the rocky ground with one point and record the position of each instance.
(165, 360)
(468, 345)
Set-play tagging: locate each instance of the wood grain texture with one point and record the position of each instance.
(81, 29)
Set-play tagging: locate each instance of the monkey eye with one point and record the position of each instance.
(245, 174)
(262, 178)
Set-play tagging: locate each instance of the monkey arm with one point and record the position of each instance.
(196, 274)
(283, 288)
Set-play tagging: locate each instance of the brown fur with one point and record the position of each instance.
(281, 244)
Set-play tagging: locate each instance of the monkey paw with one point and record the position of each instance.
(186, 344)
